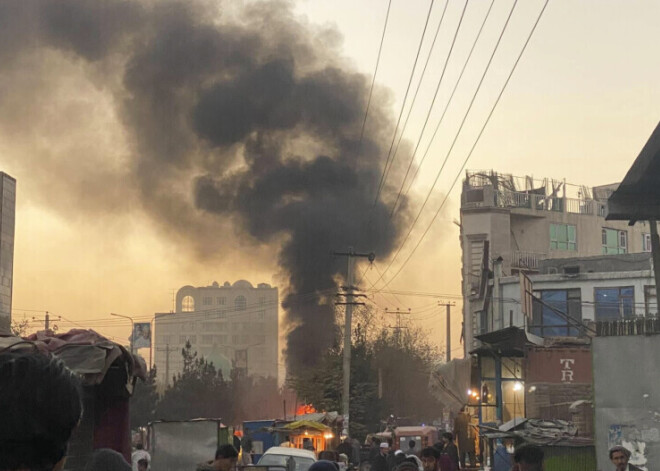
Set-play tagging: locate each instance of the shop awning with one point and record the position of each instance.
(510, 341)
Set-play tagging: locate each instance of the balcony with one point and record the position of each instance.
(527, 260)
(541, 203)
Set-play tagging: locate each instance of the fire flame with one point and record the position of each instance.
(305, 409)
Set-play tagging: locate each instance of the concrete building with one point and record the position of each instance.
(231, 325)
(534, 365)
(522, 221)
(7, 223)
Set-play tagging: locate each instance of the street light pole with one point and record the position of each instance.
(132, 324)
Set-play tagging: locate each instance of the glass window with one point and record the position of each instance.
(207, 300)
(182, 338)
(207, 339)
(512, 367)
(513, 400)
(188, 304)
(222, 315)
(221, 300)
(563, 237)
(240, 303)
(614, 241)
(646, 242)
(487, 367)
(262, 300)
(558, 314)
(615, 303)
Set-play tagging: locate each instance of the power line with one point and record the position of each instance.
(444, 112)
(428, 115)
(412, 104)
(474, 96)
(412, 74)
(490, 114)
(373, 82)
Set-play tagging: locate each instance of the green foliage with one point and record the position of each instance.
(403, 359)
(198, 391)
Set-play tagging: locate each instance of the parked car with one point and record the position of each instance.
(290, 459)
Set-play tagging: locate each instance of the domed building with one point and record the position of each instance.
(233, 324)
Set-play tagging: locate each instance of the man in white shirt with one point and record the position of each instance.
(139, 454)
(619, 456)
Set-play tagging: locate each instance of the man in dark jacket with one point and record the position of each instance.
(463, 433)
(379, 463)
(449, 448)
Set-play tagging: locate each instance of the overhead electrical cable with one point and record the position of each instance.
(383, 177)
(444, 112)
(474, 96)
(428, 114)
(467, 158)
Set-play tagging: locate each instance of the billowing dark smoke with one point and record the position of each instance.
(233, 115)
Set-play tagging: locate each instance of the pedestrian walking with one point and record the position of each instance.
(463, 433)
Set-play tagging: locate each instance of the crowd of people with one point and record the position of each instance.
(41, 405)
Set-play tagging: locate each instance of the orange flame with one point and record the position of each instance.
(305, 409)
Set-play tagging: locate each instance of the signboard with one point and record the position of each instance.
(558, 365)
(141, 335)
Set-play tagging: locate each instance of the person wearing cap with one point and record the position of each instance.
(619, 456)
(380, 461)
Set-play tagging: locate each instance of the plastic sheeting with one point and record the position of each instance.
(182, 446)
(450, 382)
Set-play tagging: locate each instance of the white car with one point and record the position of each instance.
(291, 459)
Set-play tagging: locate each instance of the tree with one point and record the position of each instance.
(19, 328)
(143, 401)
(198, 391)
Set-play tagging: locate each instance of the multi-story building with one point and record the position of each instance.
(233, 325)
(522, 221)
(7, 222)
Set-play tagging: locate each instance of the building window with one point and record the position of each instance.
(222, 327)
(193, 339)
(188, 304)
(234, 339)
(240, 303)
(207, 300)
(207, 339)
(615, 303)
(261, 315)
(563, 237)
(558, 313)
(182, 338)
(646, 242)
(221, 300)
(245, 339)
(262, 300)
(614, 241)
(222, 315)
(650, 301)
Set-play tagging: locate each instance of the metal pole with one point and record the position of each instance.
(448, 332)
(655, 253)
(347, 341)
(47, 320)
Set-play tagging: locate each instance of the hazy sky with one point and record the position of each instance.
(580, 106)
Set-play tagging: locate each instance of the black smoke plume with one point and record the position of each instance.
(246, 115)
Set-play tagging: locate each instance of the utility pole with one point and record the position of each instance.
(47, 320)
(399, 327)
(350, 294)
(448, 305)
